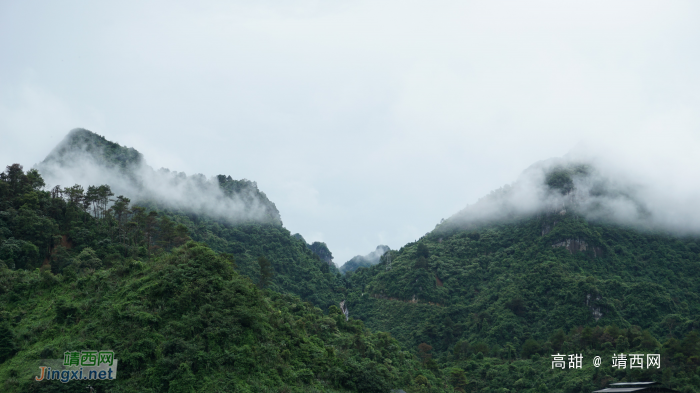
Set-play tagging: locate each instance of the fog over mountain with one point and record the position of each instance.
(366, 123)
(359, 261)
(599, 188)
(86, 158)
(595, 183)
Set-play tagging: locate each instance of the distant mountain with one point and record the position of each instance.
(359, 261)
(86, 158)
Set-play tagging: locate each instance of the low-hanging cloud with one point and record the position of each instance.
(87, 159)
(598, 186)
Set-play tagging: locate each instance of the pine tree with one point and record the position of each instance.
(265, 271)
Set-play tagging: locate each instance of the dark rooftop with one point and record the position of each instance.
(642, 387)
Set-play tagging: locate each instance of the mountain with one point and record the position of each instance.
(565, 261)
(83, 144)
(320, 249)
(536, 269)
(80, 270)
(230, 216)
(359, 261)
(182, 322)
(86, 158)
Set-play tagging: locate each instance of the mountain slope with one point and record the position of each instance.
(513, 281)
(187, 321)
(231, 216)
(179, 316)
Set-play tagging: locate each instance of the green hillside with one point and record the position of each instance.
(525, 288)
(296, 268)
(192, 300)
(179, 316)
(187, 321)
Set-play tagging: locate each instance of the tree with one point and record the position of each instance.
(166, 235)
(7, 342)
(75, 195)
(530, 347)
(15, 177)
(104, 192)
(422, 251)
(458, 379)
(421, 380)
(461, 350)
(421, 263)
(517, 306)
(151, 222)
(19, 254)
(424, 352)
(265, 271)
(92, 198)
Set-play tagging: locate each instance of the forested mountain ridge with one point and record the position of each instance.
(104, 152)
(86, 158)
(513, 282)
(320, 249)
(180, 316)
(187, 321)
(215, 211)
(479, 304)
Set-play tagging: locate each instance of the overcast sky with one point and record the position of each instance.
(366, 122)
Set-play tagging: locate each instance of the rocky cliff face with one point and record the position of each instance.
(578, 245)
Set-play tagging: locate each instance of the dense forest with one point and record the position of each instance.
(181, 316)
(522, 290)
(194, 302)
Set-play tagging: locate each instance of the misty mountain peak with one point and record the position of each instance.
(560, 185)
(82, 142)
(86, 158)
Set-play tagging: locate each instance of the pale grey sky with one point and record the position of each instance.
(366, 122)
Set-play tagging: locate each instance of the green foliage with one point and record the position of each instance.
(458, 379)
(265, 272)
(183, 319)
(19, 254)
(7, 342)
(188, 321)
(560, 178)
(422, 251)
(322, 251)
(106, 152)
(297, 270)
(481, 310)
(514, 292)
